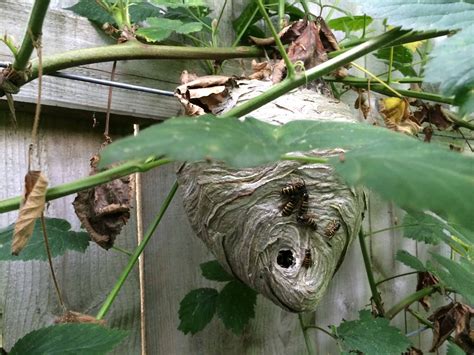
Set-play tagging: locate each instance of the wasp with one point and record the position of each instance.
(307, 220)
(294, 190)
(304, 204)
(288, 207)
(331, 228)
(307, 260)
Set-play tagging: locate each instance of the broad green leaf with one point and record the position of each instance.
(190, 27)
(197, 309)
(410, 260)
(213, 271)
(402, 59)
(70, 339)
(372, 336)
(453, 349)
(161, 28)
(92, 11)
(349, 23)
(458, 275)
(60, 237)
(451, 61)
(423, 228)
(236, 305)
(415, 175)
(143, 10)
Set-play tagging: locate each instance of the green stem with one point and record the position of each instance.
(88, 182)
(289, 66)
(420, 318)
(121, 250)
(242, 31)
(307, 339)
(393, 228)
(395, 277)
(32, 34)
(404, 303)
(311, 74)
(322, 330)
(136, 254)
(370, 276)
(281, 14)
(304, 159)
(390, 66)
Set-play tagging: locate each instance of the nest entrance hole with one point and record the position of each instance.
(285, 258)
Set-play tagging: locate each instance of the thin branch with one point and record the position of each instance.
(32, 34)
(404, 303)
(322, 330)
(136, 254)
(307, 339)
(395, 277)
(88, 182)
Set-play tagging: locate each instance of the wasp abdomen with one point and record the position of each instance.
(307, 260)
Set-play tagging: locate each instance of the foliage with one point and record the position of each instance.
(350, 23)
(451, 62)
(60, 238)
(251, 142)
(372, 336)
(161, 29)
(234, 304)
(402, 59)
(423, 228)
(70, 338)
(409, 260)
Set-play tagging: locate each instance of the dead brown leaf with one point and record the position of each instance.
(32, 208)
(432, 114)
(455, 317)
(413, 351)
(362, 103)
(105, 209)
(426, 279)
(76, 317)
(286, 35)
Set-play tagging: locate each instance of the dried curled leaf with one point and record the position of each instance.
(76, 317)
(396, 115)
(287, 34)
(432, 114)
(455, 317)
(426, 279)
(32, 208)
(362, 103)
(105, 209)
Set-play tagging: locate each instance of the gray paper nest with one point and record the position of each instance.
(238, 213)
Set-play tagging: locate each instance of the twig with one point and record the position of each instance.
(136, 254)
(322, 330)
(109, 105)
(400, 306)
(34, 131)
(307, 339)
(50, 262)
(395, 277)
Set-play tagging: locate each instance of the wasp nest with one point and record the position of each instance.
(283, 228)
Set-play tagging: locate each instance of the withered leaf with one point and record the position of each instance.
(396, 115)
(76, 317)
(433, 114)
(105, 209)
(455, 317)
(32, 207)
(426, 279)
(362, 103)
(413, 351)
(286, 35)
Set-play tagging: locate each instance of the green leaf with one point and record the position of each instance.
(458, 275)
(350, 23)
(161, 28)
(415, 175)
(70, 338)
(423, 228)
(410, 260)
(143, 10)
(197, 309)
(453, 349)
(92, 11)
(402, 59)
(213, 271)
(236, 305)
(372, 336)
(451, 61)
(60, 239)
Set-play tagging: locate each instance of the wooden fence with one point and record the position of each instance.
(148, 304)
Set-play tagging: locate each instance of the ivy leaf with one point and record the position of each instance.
(410, 260)
(416, 176)
(213, 271)
(402, 59)
(423, 228)
(457, 275)
(197, 309)
(349, 23)
(372, 336)
(161, 28)
(91, 10)
(69, 339)
(451, 61)
(143, 10)
(236, 305)
(60, 238)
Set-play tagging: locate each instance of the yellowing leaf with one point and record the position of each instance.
(31, 209)
(396, 115)
(413, 46)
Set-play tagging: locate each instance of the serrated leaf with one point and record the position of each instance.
(410, 260)
(161, 28)
(372, 336)
(60, 238)
(402, 59)
(349, 23)
(236, 305)
(197, 309)
(143, 10)
(415, 175)
(91, 10)
(451, 61)
(423, 228)
(213, 271)
(453, 349)
(190, 27)
(458, 275)
(69, 339)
